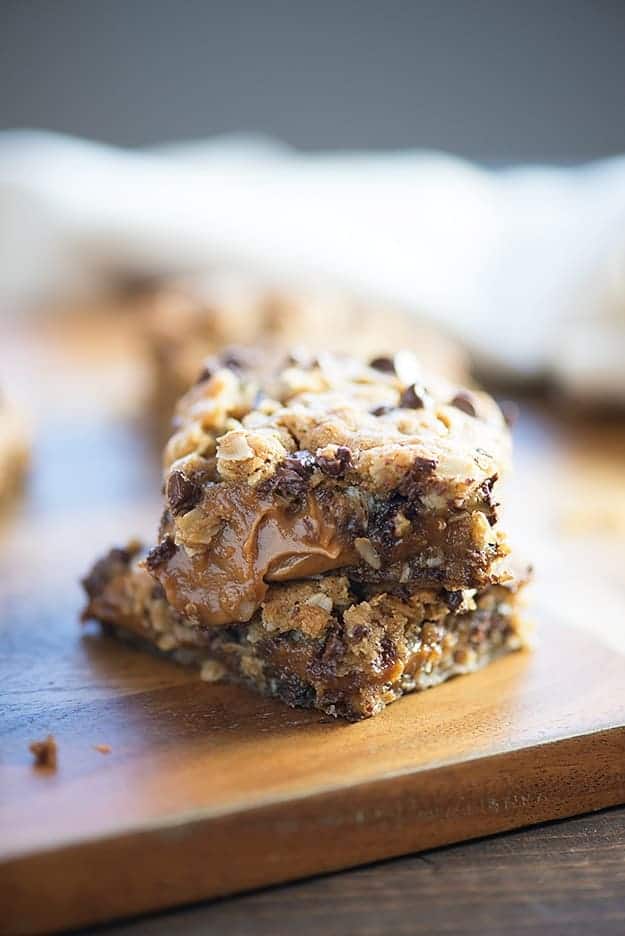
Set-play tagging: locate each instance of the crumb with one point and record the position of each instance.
(45, 752)
(212, 671)
(102, 748)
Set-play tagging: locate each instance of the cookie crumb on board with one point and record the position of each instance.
(102, 748)
(45, 752)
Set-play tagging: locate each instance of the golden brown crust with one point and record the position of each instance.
(45, 752)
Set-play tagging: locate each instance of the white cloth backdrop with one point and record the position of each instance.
(527, 265)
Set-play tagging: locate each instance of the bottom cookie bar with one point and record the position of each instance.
(320, 643)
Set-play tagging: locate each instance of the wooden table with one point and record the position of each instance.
(562, 879)
(568, 504)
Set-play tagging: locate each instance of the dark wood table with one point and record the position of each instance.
(565, 877)
(562, 878)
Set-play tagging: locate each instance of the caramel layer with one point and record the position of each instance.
(258, 542)
(237, 541)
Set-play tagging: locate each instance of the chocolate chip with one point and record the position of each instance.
(337, 465)
(381, 525)
(182, 493)
(291, 477)
(333, 651)
(294, 691)
(412, 484)
(463, 401)
(161, 553)
(486, 487)
(384, 364)
(453, 599)
(388, 651)
(382, 410)
(233, 634)
(424, 466)
(410, 399)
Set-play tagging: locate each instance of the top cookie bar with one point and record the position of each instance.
(283, 470)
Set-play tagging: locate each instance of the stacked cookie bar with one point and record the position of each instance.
(330, 533)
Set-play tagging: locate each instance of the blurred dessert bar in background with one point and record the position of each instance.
(183, 321)
(14, 449)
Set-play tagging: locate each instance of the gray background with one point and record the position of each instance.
(490, 80)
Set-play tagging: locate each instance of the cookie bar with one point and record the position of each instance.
(14, 449)
(326, 642)
(282, 471)
(185, 321)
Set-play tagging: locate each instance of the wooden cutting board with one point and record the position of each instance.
(209, 790)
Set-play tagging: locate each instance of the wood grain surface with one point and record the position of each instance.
(562, 879)
(207, 790)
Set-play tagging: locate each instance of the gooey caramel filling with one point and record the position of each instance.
(258, 542)
(242, 541)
